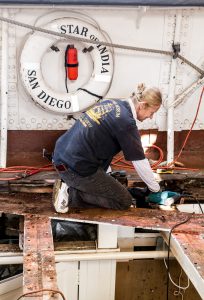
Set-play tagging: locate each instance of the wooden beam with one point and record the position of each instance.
(188, 249)
(39, 262)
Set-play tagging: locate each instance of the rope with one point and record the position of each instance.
(118, 46)
(90, 93)
(42, 291)
(191, 65)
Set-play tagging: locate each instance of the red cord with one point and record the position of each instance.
(188, 134)
(121, 163)
(24, 171)
(160, 157)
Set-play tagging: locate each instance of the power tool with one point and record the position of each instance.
(147, 199)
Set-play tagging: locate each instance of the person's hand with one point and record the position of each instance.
(163, 198)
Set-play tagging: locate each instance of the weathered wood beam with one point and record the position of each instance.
(39, 262)
(188, 249)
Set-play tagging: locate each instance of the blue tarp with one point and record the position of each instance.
(109, 2)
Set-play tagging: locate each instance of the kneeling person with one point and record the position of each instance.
(82, 154)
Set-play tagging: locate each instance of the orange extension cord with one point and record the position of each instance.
(24, 171)
(118, 161)
(122, 163)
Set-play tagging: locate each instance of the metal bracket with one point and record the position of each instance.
(176, 49)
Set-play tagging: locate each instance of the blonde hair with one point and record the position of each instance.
(151, 96)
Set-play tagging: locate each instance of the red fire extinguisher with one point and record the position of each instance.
(71, 62)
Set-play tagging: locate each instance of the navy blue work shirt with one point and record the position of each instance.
(97, 136)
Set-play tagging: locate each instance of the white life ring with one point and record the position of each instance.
(32, 77)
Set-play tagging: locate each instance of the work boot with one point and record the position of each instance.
(60, 197)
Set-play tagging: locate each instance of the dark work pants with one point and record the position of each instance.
(97, 190)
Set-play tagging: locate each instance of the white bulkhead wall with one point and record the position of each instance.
(150, 28)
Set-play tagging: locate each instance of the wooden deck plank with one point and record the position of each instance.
(40, 204)
(40, 207)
